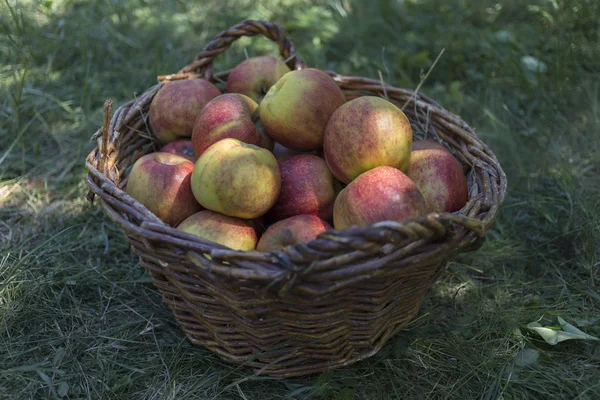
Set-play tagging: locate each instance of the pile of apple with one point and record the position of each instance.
(282, 155)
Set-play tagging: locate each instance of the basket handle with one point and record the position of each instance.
(202, 64)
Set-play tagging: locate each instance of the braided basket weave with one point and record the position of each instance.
(308, 307)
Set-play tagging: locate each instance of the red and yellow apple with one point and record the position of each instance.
(162, 183)
(290, 231)
(307, 187)
(380, 194)
(181, 147)
(440, 178)
(427, 144)
(232, 232)
(226, 116)
(366, 133)
(236, 179)
(176, 106)
(255, 76)
(296, 109)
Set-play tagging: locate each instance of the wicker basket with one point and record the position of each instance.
(310, 307)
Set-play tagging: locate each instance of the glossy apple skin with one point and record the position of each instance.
(440, 178)
(296, 109)
(236, 179)
(226, 116)
(181, 147)
(290, 231)
(162, 183)
(176, 106)
(366, 133)
(307, 187)
(232, 232)
(380, 194)
(255, 76)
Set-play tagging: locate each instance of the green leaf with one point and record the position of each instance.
(527, 357)
(63, 389)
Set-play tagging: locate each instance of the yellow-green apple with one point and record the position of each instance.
(232, 232)
(365, 133)
(290, 231)
(236, 179)
(427, 144)
(227, 116)
(380, 194)
(181, 147)
(440, 178)
(162, 183)
(177, 105)
(307, 187)
(255, 76)
(296, 109)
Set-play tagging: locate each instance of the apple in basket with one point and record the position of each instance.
(296, 109)
(181, 147)
(290, 231)
(440, 178)
(365, 133)
(307, 187)
(228, 231)
(427, 144)
(227, 116)
(176, 106)
(236, 179)
(255, 76)
(380, 194)
(162, 183)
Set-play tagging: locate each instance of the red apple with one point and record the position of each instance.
(177, 105)
(162, 183)
(255, 76)
(296, 109)
(290, 231)
(181, 147)
(232, 232)
(380, 194)
(281, 152)
(226, 116)
(427, 144)
(366, 133)
(236, 179)
(440, 178)
(307, 187)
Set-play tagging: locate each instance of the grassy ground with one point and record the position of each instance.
(78, 317)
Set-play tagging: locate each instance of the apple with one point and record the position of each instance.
(181, 147)
(236, 179)
(290, 231)
(281, 152)
(232, 232)
(440, 178)
(162, 183)
(296, 109)
(255, 76)
(427, 144)
(226, 116)
(176, 106)
(380, 194)
(366, 133)
(307, 187)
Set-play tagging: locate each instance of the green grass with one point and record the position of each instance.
(79, 317)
